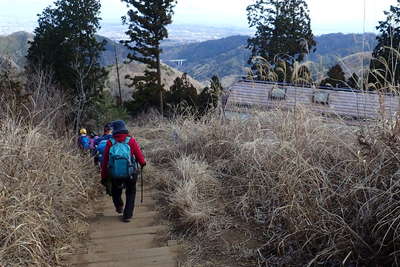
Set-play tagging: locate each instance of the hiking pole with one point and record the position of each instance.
(141, 181)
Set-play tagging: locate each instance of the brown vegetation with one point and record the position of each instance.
(281, 188)
(46, 186)
(46, 189)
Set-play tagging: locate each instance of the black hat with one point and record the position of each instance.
(119, 127)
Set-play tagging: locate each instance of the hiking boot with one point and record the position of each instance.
(119, 209)
(126, 220)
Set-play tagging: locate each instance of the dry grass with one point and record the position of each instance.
(192, 195)
(46, 189)
(282, 188)
(46, 186)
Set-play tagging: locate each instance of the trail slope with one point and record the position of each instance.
(113, 243)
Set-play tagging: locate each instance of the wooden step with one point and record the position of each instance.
(150, 203)
(138, 208)
(113, 243)
(125, 244)
(136, 214)
(145, 256)
(128, 232)
(132, 263)
(146, 203)
(107, 223)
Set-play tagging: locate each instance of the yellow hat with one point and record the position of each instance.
(82, 131)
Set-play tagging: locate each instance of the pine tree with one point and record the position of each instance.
(181, 95)
(208, 98)
(336, 77)
(145, 96)
(385, 67)
(147, 20)
(216, 90)
(65, 42)
(283, 30)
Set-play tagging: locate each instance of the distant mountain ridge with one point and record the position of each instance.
(338, 45)
(228, 57)
(224, 57)
(14, 48)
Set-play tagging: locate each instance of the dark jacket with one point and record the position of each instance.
(104, 137)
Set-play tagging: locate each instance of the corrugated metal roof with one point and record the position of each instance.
(342, 101)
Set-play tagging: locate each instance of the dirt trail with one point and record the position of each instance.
(113, 243)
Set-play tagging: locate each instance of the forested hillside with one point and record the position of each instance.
(332, 46)
(108, 56)
(15, 46)
(225, 57)
(168, 76)
(228, 57)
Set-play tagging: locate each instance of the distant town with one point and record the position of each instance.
(178, 34)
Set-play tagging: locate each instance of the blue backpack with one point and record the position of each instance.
(121, 164)
(100, 148)
(84, 142)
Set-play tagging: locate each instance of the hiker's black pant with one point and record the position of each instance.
(130, 192)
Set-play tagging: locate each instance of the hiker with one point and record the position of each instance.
(92, 139)
(101, 143)
(107, 134)
(83, 140)
(121, 155)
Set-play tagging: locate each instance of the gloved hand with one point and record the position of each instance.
(104, 182)
(143, 165)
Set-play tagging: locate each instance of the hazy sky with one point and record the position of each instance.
(327, 15)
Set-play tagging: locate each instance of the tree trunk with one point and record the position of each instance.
(81, 104)
(159, 81)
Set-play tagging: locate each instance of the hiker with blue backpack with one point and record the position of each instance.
(101, 143)
(120, 166)
(83, 140)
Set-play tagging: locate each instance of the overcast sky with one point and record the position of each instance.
(327, 15)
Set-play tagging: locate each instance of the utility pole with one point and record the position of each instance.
(159, 82)
(118, 79)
